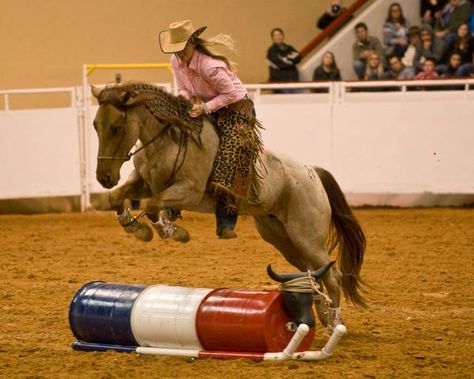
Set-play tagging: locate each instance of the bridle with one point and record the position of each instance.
(114, 157)
(183, 139)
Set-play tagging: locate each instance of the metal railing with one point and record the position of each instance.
(334, 92)
(332, 28)
(6, 94)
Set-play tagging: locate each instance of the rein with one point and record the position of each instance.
(183, 146)
(131, 154)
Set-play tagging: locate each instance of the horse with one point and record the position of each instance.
(301, 210)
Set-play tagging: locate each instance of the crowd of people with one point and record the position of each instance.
(441, 45)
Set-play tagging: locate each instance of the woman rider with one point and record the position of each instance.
(210, 83)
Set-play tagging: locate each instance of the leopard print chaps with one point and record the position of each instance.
(234, 174)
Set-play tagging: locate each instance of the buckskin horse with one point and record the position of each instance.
(302, 211)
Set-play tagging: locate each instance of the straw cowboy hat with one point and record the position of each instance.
(177, 36)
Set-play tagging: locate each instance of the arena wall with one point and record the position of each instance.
(385, 148)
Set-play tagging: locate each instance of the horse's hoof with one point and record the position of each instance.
(227, 234)
(144, 233)
(181, 235)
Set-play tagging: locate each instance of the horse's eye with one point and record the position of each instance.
(116, 129)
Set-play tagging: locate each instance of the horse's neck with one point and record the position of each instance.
(149, 126)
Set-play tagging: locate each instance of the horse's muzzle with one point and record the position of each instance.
(105, 180)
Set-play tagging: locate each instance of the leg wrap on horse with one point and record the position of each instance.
(134, 226)
(234, 173)
(166, 229)
(334, 317)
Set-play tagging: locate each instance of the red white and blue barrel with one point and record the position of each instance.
(106, 316)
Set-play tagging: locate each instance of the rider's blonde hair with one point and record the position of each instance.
(210, 47)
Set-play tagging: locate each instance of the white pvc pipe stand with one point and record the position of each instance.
(288, 353)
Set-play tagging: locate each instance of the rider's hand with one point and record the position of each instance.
(195, 100)
(197, 110)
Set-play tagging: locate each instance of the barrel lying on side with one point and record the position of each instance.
(181, 318)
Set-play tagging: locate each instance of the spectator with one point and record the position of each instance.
(395, 31)
(397, 70)
(362, 47)
(327, 70)
(452, 68)
(464, 43)
(453, 14)
(429, 48)
(471, 24)
(374, 69)
(466, 70)
(408, 58)
(282, 60)
(334, 10)
(430, 11)
(429, 71)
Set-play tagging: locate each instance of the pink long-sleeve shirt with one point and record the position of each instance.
(209, 79)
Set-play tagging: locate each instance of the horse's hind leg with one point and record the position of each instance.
(310, 240)
(305, 248)
(274, 232)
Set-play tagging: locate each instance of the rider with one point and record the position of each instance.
(209, 82)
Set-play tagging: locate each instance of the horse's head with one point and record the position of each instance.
(117, 132)
(298, 301)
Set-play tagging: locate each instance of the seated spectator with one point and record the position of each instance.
(454, 13)
(395, 31)
(282, 60)
(414, 44)
(466, 71)
(430, 11)
(471, 24)
(464, 43)
(364, 45)
(429, 48)
(397, 70)
(451, 71)
(334, 10)
(374, 68)
(453, 66)
(327, 70)
(429, 71)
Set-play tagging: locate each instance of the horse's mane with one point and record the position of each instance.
(170, 110)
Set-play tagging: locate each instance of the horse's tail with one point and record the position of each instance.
(349, 236)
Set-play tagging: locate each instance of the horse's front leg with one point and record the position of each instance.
(180, 195)
(133, 188)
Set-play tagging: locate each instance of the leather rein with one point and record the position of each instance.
(183, 147)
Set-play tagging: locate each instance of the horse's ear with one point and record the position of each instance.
(133, 100)
(96, 91)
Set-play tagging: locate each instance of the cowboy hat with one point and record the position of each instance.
(177, 36)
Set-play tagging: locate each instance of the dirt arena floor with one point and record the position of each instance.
(419, 264)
